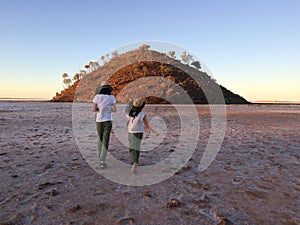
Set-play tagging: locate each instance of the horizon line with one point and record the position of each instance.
(48, 99)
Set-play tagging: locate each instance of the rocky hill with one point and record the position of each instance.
(153, 75)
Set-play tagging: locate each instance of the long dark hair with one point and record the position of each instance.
(104, 90)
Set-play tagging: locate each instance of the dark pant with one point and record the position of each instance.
(135, 140)
(103, 129)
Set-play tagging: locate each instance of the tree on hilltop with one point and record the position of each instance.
(95, 65)
(103, 58)
(144, 48)
(65, 75)
(186, 58)
(76, 77)
(82, 73)
(66, 79)
(196, 64)
(172, 54)
(190, 58)
(141, 52)
(87, 66)
(115, 54)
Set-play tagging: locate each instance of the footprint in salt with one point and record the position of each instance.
(237, 180)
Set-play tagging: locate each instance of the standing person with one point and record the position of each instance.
(136, 122)
(104, 104)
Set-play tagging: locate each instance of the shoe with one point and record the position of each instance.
(102, 165)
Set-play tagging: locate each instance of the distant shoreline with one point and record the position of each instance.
(276, 102)
(24, 100)
(252, 103)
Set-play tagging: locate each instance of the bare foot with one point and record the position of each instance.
(134, 168)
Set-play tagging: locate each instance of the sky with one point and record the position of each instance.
(251, 47)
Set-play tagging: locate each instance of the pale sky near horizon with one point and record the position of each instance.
(251, 47)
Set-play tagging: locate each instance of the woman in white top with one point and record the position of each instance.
(104, 104)
(136, 123)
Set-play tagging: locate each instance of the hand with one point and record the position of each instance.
(155, 133)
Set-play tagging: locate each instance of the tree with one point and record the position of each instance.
(115, 54)
(184, 57)
(92, 66)
(142, 52)
(103, 59)
(67, 81)
(196, 64)
(172, 54)
(82, 73)
(189, 58)
(144, 48)
(76, 77)
(65, 75)
(96, 65)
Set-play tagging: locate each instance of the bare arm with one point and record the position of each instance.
(114, 107)
(148, 126)
(94, 107)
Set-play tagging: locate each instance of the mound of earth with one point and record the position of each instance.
(152, 75)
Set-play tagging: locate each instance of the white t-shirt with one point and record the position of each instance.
(104, 104)
(136, 125)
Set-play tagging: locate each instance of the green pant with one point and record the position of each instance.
(103, 129)
(135, 140)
